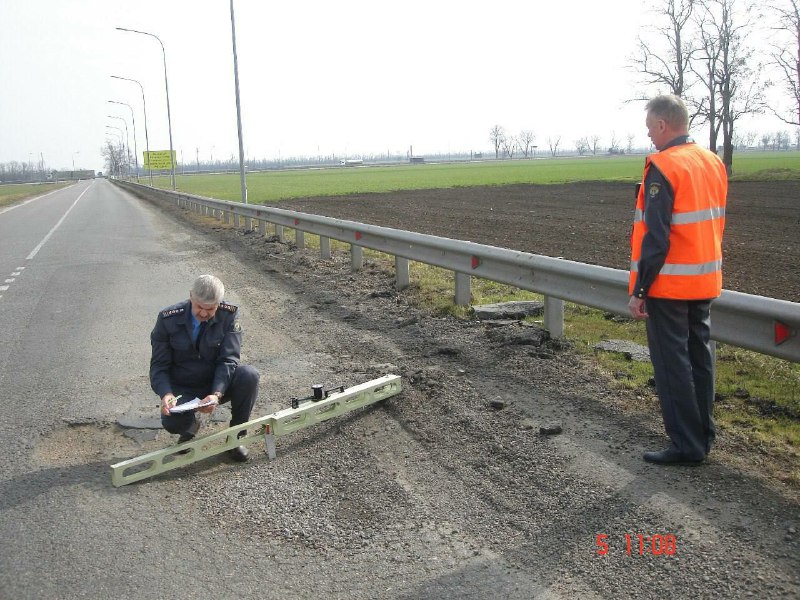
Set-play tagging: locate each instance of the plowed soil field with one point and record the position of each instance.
(589, 222)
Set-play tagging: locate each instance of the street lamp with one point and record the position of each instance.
(135, 145)
(127, 143)
(73, 162)
(121, 143)
(166, 86)
(242, 180)
(146, 137)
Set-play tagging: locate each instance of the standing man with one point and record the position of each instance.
(676, 271)
(196, 345)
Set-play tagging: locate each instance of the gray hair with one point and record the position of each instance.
(671, 109)
(207, 289)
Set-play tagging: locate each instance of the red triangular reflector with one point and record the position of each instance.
(782, 332)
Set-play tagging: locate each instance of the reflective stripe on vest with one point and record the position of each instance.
(715, 212)
(679, 269)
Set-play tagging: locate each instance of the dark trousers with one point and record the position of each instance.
(241, 393)
(679, 337)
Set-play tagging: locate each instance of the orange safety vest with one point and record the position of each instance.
(693, 267)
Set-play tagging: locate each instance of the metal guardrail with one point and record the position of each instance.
(765, 325)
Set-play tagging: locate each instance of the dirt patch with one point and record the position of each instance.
(82, 443)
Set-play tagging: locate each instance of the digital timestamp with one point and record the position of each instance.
(639, 544)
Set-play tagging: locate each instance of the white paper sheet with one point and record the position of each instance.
(191, 405)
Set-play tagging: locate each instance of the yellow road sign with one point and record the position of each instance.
(159, 159)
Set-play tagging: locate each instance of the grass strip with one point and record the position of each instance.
(15, 192)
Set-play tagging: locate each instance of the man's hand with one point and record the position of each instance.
(168, 401)
(637, 308)
(209, 404)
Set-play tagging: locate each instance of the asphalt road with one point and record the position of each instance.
(90, 266)
(430, 495)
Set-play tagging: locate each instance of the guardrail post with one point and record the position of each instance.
(325, 247)
(402, 277)
(356, 257)
(300, 239)
(229, 217)
(279, 233)
(262, 227)
(554, 316)
(463, 289)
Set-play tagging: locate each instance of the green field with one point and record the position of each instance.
(16, 192)
(272, 186)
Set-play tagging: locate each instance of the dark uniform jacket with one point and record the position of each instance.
(179, 365)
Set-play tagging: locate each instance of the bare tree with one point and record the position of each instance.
(706, 67)
(786, 57)
(525, 141)
(594, 140)
(782, 140)
(613, 147)
(739, 91)
(114, 156)
(668, 68)
(582, 146)
(509, 145)
(629, 147)
(497, 136)
(553, 142)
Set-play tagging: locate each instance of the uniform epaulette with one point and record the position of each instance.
(170, 312)
(231, 308)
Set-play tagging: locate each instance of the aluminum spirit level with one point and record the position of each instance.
(323, 405)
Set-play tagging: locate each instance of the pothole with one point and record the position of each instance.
(82, 443)
(134, 434)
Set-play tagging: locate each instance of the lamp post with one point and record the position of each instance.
(242, 180)
(146, 137)
(166, 86)
(135, 145)
(73, 162)
(127, 143)
(121, 143)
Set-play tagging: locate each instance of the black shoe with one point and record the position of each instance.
(670, 457)
(185, 437)
(240, 454)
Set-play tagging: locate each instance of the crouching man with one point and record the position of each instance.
(196, 349)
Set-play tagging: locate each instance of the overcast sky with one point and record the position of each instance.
(316, 76)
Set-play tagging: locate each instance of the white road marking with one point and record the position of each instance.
(56, 226)
(3, 288)
(9, 280)
(15, 273)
